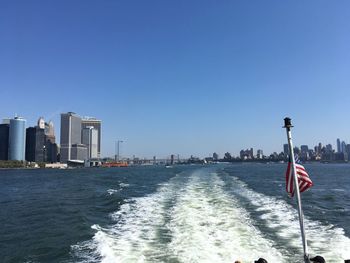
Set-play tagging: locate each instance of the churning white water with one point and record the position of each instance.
(195, 218)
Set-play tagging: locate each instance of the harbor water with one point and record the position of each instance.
(210, 213)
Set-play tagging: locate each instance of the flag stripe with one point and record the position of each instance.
(304, 182)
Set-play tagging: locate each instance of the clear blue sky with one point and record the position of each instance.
(183, 77)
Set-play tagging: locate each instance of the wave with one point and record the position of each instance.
(195, 218)
(112, 191)
(282, 220)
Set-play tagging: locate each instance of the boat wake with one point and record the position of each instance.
(197, 218)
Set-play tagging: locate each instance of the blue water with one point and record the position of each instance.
(216, 213)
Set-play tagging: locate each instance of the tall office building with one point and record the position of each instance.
(6, 121)
(79, 152)
(304, 148)
(286, 149)
(70, 134)
(35, 144)
(90, 139)
(329, 148)
(90, 121)
(17, 139)
(4, 141)
(51, 148)
(50, 132)
(41, 123)
(338, 146)
(342, 147)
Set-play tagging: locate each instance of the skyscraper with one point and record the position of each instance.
(286, 149)
(35, 144)
(41, 123)
(51, 147)
(338, 145)
(304, 148)
(343, 147)
(79, 152)
(93, 122)
(70, 134)
(90, 139)
(50, 132)
(4, 141)
(17, 139)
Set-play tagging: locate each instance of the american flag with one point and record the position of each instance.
(303, 178)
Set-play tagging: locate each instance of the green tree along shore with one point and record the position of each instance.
(12, 164)
(19, 164)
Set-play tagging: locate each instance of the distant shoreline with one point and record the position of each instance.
(211, 163)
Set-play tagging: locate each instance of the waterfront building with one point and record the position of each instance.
(286, 149)
(51, 152)
(51, 148)
(41, 123)
(50, 132)
(343, 147)
(215, 156)
(304, 148)
(347, 150)
(304, 152)
(329, 148)
(4, 141)
(296, 150)
(338, 145)
(70, 135)
(90, 139)
(259, 154)
(246, 154)
(17, 139)
(340, 157)
(79, 152)
(93, 122)
(227, 156)
(35, 144)
(6, 121)
(319, 147)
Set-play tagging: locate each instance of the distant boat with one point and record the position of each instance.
(115, 164)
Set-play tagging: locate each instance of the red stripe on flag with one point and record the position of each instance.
(304, 181)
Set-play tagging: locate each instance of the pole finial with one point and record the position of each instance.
(287, 122)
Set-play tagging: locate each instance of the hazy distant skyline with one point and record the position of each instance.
(181, 77)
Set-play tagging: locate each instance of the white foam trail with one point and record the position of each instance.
(193, 219)
(135, 236)
(282, 218)
(209, 226)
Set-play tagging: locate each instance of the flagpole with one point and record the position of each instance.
(288, 126)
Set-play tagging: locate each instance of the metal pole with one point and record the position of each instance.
(115, 150)
(118, 152)
(288, 126)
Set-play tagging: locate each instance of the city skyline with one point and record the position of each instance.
(90, 136)
(181, 77)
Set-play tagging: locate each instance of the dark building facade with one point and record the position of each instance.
(50, 151)
(35, 144)
(79, 152)
(4, 141)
